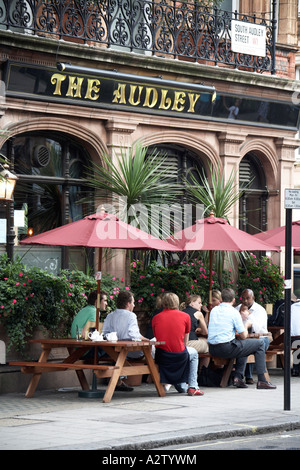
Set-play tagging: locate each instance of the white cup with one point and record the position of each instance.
(94, 336)
(112, 336)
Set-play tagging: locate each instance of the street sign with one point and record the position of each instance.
(292, 199)
(248, 38)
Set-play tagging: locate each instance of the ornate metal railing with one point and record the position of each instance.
(169, 28)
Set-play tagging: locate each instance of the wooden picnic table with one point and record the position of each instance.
(278, 336)
(116, 350)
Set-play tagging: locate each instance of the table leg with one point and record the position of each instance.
(36, 376)
(82, 380)
(74, 355)
(227, 372)
(154, 372)
(115, 376)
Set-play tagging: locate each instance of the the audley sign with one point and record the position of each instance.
(109, 89)
(126, 93)
(102, 88)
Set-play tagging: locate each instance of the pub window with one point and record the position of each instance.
(49, 193)
(253, 203)
(230, 5)
(181, 162)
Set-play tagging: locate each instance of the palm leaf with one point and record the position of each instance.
(219, 197)
(139, 181)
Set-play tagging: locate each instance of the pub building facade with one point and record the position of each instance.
(206, 85)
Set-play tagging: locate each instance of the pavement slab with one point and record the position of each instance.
(60, 420)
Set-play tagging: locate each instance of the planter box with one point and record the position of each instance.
(13, 381)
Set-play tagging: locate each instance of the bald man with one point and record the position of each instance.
(259, 319)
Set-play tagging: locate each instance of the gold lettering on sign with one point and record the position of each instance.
(165, 102)
(119, 94)
(57, 79)
(132, 94)
(149, 92)
(75, 84)
(92, 87)
(193, 100)
(179, 101)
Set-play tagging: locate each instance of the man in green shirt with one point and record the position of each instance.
(88, 313)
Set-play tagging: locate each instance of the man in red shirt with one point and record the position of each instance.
(178, 364)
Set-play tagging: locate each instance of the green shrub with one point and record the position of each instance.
(31, 298)
(260, 275)
(263, 277)
(182, 278)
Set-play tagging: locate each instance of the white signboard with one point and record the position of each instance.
(248, 38)
(3, 230)
(19, 218)
(292, 199)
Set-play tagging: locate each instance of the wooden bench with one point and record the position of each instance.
(229, 362)
(27, 366)
(116, 350)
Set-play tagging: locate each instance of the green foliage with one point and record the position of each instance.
(183, 278)
(218, 197)
(135, 180)
(263, 277)
(31, 298)
(186, 278)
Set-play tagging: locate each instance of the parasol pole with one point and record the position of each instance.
(210, 284)
(210, 276)
(98, 287)
(94, 392)
(98, 276)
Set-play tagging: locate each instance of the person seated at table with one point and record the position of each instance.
(244, 312)
(256, 314)
(178, 364)
(124, 322)
(227, 337)
(88, 313)
(158, 309)
(216, 299)
(198, 326)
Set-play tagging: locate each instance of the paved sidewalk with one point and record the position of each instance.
(60, 420)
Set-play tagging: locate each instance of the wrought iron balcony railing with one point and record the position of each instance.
(170, 28)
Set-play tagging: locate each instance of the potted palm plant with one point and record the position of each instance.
(218, 196)
(136, 182)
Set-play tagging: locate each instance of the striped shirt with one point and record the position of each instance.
(124, 323)
(224, 322)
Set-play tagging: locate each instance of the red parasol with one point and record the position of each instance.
(100, 230)
(216, 234)
(276, 236)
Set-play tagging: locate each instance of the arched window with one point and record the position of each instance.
(253, 203)
(181, 162)
(49, 193)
